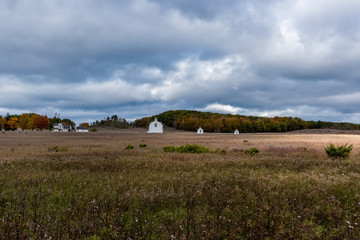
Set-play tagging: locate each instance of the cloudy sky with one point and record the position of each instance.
(87, 59)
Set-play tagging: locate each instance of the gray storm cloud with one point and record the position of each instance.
(89, 59)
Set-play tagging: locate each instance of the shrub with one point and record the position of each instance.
(169, 149)
(142, 145)
(245, 141)
(252, 151)
(59, 149)
(188, 148)
(193, 148)
(129, 147)
(92, 129)
(222, 151)
(341, 151)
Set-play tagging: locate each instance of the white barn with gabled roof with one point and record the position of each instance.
(155, 127)
(236, 132)
(200, 131)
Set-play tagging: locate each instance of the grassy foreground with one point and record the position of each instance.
(155, 195)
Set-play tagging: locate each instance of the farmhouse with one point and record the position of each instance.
(82, 128)
(200, 131)
(59, 127)
(236, 132)
(155, 127)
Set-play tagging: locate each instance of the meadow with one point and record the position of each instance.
(87, 186)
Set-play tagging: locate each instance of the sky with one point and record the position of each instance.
(88, 59)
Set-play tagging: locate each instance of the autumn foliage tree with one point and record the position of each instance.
(85, 125)
(13, 123)
(24, 121)
(2, 123)
(31, 121)
(42, 122)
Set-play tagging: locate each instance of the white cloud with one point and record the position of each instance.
(16, 92)
(220, 108)
(193, 78)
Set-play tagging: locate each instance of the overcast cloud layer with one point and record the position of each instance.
(87, 59)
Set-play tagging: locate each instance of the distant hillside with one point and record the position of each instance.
(113, 121)
(217, 122)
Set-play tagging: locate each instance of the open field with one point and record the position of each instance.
(95, 189)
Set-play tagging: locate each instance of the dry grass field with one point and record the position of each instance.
(92, 188)
(23, 144)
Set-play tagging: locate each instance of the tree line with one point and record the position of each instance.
(31, 121)
(113, 121)
(216, 122)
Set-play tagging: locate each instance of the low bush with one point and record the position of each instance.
(188, 148)
(169, 149)
(193, 148)
(252, 151)
(341, 151)
(93, 130)
(221, 151)
(129, 147)
(58, 149)
(142, 145)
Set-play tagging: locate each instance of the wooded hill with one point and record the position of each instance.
(217, 122)
(113, 121)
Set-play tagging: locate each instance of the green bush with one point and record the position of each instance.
(252, 151)
(341, 151)
(92, 129)
(142, 145)
(59, 149)
(169, 149)
(129, 147)
(193, 148)
(222, 151)
(188, 148)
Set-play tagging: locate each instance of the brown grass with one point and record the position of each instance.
(97, 190)
(15, 144)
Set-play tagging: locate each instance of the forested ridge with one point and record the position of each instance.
(188, 120)
(216, 122)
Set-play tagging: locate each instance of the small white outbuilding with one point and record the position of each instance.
(236, 132)
(82, 128)
(155, 127)
(200, 131)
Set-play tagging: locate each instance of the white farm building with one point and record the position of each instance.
(155, 127)
(236, 132)
(59, 127)
(200, 131)
(82, 128)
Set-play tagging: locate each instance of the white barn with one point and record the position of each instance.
(236, 132)
(200, 131)
(155, 127)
